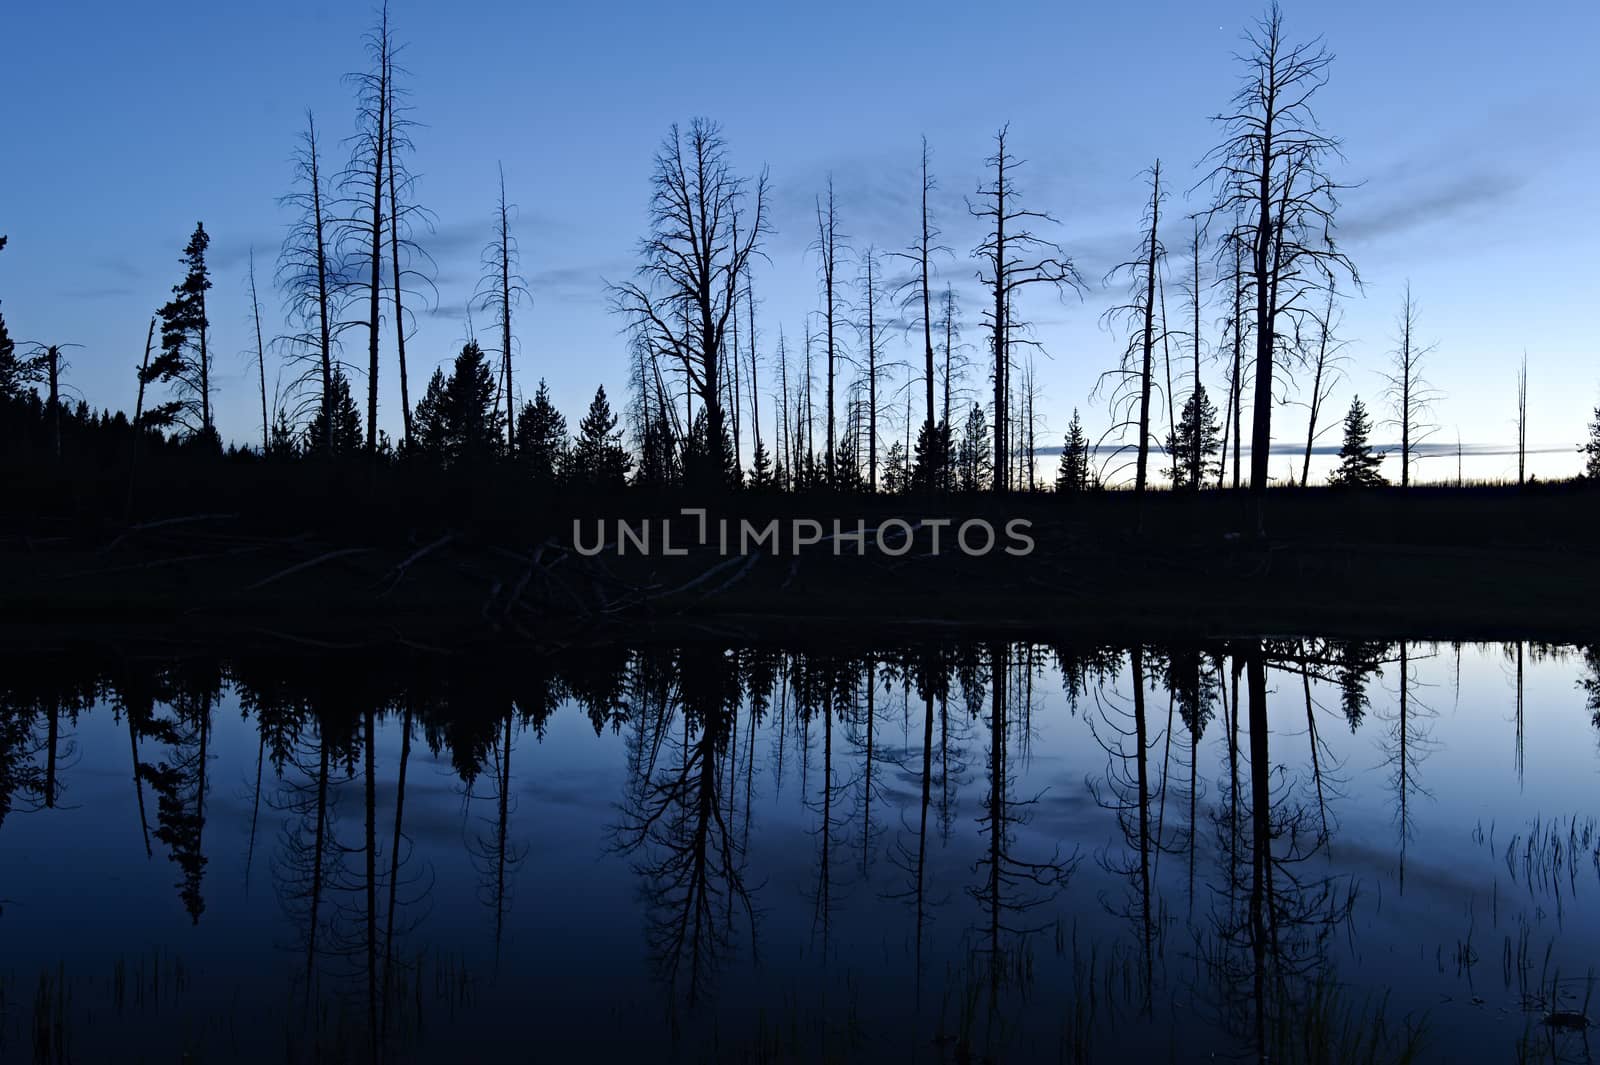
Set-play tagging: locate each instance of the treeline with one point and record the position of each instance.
(717, 401)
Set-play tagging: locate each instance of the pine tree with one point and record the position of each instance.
(974, 460)
(457, 421)
(1591, 468)
(184, 360)
(761, 472)
(428, 422)
(933, 463)
(542, 438)
(1198, 420)
(896, 475)
(1358, 464)
(10, 369)
(1073, 474)
(599, 461)
(347, 437)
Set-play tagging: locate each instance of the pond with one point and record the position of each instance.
(957, 849)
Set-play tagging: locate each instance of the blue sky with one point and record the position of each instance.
(1471, 126)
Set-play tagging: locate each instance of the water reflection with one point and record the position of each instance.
(949, 851)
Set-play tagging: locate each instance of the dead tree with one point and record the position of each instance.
(828, 248)
(310, 281)
(1272, 183)
(1522, 420)
(361, 230)
(1409, 394)
(1327, 370)
(261, 352)
(1013, 258)
(688, 282)
(499, 291)
(1131, 385)
(872, 336)
(916, 297)
(403, 248)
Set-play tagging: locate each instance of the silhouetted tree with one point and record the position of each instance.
(261, 353)
(1273, 185)
(1196, 444)
(184, 361)
(1073, 473)
(498, 293)
(872, 336)
(1131, 386)
(542, 438)
(598, 460)
(1326, 373)
(916, 296)
(974, 461)
(346, 419)
(689, 279)
(403, 248)
(829, 249)
(1358, 465)
(1522, 422)
(1013, 258)
(1409, 394)
(457, 420)
(308, 275)
(361, 229)
(1591, 467)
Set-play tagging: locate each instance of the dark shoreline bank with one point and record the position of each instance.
(1433, 563)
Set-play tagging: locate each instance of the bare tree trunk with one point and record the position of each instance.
(1316, 388)
(872, 381)
(374, 315)
(394, 265)
(1238, 357)
(827, 226)
(138, 421)
(505, 318)
(1198, 427)
(1522, 420)
(1141, 477)
(261, 352)
(935, 461)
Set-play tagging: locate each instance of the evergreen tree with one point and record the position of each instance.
(1358, 464)
(974, 460)
(11, 375)
(1073, 474)
(457, 421)
(706, 466)
(896, 474)
(347, 437)
(542, 438)
(1591, 468)
(184, 360)
(428, 422)
(933, 463)
(1197, 432)
(599, 461)
(761, 472)
(284, 443)
(474, 424)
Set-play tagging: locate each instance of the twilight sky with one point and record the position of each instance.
(1473, 127)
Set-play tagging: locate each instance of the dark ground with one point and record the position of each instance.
(352, 555)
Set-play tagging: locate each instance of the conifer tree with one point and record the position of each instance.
(974, 462)
(1073, 474)
(346, 428)
(10, 368)
(1358, 464)
(428, 422)
(472, 418)
(599, 461)
(184, 360)
(896, 475)
(542, 438)
(1591, 468)
(1197, 443)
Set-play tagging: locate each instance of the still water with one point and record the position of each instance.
(1286, 850)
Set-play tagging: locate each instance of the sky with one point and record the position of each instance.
(1469, 131)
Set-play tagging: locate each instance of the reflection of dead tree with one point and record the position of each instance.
(495, 857)
(1010, 887)
(1273, 939)
(932, 681)
(1129, 794)
(690, 856)
(1409, 742)
(311, 857)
